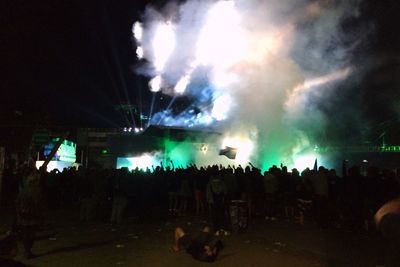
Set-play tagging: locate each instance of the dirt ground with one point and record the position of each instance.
(67, 242)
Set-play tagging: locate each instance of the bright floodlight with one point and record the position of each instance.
(139, 52)
(243, 145)
(155, 84)
(142, 162)
(305, 161)
(163, 44)
(221, 107)
(221, 42)
(137, 31)
(182, 84)
(204, 148)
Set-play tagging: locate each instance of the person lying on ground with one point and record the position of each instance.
(202, 246)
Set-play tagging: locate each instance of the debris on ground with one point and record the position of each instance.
(280, 244)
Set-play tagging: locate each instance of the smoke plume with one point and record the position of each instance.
(253, 69)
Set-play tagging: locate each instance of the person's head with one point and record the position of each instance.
(284, 169)
(211, 251)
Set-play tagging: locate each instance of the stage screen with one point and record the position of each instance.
(143, 161)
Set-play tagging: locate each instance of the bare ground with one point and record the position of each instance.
(148, 244)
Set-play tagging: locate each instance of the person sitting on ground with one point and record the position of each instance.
(202, 246)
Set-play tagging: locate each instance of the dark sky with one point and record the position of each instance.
(70, 62)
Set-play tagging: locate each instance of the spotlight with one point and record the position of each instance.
(204, 148)
(137, 130)
(125, 129)
(130, 129)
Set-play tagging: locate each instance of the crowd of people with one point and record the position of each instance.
(110, 194)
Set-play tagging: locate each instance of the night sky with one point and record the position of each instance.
(71, 62)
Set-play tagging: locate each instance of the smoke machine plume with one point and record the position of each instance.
(253, 70)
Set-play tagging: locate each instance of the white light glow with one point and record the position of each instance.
(182, 84)
(208, 119)
(302, 162)
(204, 148)
(137, 30)
(264, 46)
(155, 84)
(139, 52)
(221, 42)
(221, 107)
(142, 162)
(243, 145)
(163, 45)
(337, 75)
(239, 65)
(223, 79)
(54, 165)
(313, 84)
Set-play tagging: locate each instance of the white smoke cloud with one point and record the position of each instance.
(255, 65)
